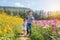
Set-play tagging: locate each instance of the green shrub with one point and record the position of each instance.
(40, 33)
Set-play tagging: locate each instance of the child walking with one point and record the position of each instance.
(25, 27)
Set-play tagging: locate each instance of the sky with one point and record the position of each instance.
(47, 5)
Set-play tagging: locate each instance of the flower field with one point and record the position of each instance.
(43, 30)
(47, 22)
(10, 26)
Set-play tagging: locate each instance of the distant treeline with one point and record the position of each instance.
(23, 12)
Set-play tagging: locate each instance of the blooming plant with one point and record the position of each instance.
(10, 26)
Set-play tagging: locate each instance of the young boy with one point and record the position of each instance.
(25, 27)
(29, 24)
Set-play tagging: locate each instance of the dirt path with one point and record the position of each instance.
(23, 38)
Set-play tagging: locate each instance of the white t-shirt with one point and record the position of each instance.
(25, 25)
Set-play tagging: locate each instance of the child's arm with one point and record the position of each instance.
(32, 18)
(22, 25)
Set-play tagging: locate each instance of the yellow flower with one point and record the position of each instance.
(5, 30)
(12, 34)
(10, 29)
(10, 22)
(0, 32)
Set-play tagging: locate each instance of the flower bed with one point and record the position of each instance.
(40, 33)
(10, 27)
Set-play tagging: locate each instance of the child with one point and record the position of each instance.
(25, 27)
(30, 19)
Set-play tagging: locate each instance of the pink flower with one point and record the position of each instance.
(54, 29)
(59, 32)
(46, 22)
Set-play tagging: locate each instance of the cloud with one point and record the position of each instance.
(19, 4)
(3, 1)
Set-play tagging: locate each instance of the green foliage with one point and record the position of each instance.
(40, 33)
(22, 12)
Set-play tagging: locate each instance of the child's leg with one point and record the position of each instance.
(27, 30)
(24, 32)
(30, 29)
